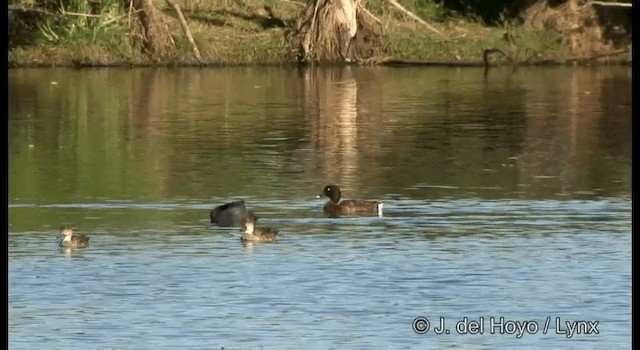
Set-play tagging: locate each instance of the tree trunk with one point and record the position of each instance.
(157, 38)
(335, 31)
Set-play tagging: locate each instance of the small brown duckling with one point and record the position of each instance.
(71, 240)
(257, 234)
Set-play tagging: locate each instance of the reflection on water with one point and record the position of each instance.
(332, 101)
(475, 172)
(158, 134)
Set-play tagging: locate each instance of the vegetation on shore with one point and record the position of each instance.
(109, 32)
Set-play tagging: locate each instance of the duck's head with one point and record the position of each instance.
(331, 191)
(66, 230)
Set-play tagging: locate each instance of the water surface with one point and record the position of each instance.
(506, 195)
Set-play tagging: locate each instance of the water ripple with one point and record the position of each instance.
(190, 285)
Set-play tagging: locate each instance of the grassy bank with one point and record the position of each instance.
(232, 32)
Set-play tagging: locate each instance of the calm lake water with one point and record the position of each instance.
(507, 195)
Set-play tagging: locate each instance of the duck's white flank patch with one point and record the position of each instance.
(248, 228)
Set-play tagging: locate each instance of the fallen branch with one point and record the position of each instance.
(65, 13)
(612, 4)
(600, 55)
(129, 13)
(369, 13)
(402, 62)
(295, 2)
(410, 14)
(185, 28)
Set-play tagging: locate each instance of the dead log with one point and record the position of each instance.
(335, 31)
(157, 38)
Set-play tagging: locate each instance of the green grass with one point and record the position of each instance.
(224, 37)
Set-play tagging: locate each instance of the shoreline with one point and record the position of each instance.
(569, 62)
(237, 36)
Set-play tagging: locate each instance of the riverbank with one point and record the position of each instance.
(246, 34)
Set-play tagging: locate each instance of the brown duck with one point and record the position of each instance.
(348, 207)
(257, 234)
(71, 240)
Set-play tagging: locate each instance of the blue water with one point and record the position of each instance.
(346, 283)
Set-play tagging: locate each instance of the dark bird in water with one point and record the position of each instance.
(230, 214)
(348, 207)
